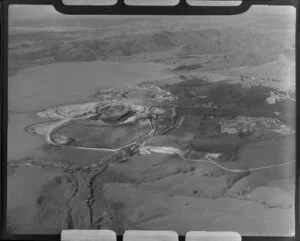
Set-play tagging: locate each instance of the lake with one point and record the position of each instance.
(50, 85)
(40, 87)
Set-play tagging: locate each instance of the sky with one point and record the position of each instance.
(39, 11)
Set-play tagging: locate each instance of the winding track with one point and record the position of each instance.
(67, 121)
(173, 150)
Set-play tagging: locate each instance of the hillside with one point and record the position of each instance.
(241, 47)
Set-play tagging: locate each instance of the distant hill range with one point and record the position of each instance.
(255, 46)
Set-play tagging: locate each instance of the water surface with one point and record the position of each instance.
(56, 84)
(40, 87)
